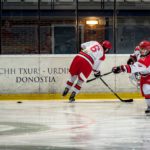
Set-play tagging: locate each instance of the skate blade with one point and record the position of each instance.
(72, 101)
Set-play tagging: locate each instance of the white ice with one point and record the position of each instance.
(84, 125)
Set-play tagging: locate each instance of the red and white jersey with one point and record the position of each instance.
(95, 51)
(143, 67)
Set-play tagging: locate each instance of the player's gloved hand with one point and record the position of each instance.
(97, 74)
(118, 69)
(130, 61)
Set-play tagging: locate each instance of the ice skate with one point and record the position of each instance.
(65, 92)
(147, 111)
(72, 97)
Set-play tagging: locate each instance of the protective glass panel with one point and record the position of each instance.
(132, 25)
(31, 26)
(20, 28)
(28, 27)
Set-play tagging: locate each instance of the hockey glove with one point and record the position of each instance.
(131, 60)
(118, 69)
(97, 74)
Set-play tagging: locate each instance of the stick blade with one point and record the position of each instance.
(127, 100)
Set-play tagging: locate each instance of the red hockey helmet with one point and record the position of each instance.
(144, 45)
(106, 44)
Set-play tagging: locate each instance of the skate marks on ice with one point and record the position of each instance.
(19, 147)
(78, 126)
(15, 128)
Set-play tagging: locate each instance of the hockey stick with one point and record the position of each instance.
(99, 76)
(127, 100)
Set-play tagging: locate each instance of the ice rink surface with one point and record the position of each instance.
(84, 125)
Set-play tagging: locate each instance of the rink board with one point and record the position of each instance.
(44, 77)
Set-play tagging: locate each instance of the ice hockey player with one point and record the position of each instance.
(87, 60)
(143, 67)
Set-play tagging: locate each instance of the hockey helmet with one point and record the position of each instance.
(106, 45)
(144, 47)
